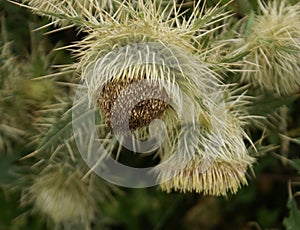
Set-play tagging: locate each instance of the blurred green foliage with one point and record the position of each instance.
(264, 204)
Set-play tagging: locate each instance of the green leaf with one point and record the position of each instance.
(292, 222)
(269, 103)
(244, 7)
(7, 168)
(62, 130)
(236, 58)
(249, 23)
(59, 131)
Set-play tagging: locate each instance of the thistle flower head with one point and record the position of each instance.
(204, 134)
(145, 63)
(146, 66)
(137, 45)
(274, 61)
(216, 160)
(60, 194)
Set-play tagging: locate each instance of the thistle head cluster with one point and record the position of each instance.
(274, 45)
(119, 63)
(144, 63)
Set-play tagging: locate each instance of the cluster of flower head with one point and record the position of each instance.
(166, 51)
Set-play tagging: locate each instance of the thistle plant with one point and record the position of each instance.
(30, 108)
(59, 185)
(9, 131)
(272, 39)
(106, 69)
(167, 80)
(20, 87)
(145, 63)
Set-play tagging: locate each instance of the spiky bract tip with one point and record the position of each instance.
(216, 179)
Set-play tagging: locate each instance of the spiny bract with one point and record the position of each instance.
(274, 45)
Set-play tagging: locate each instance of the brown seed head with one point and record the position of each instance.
(131, 102)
